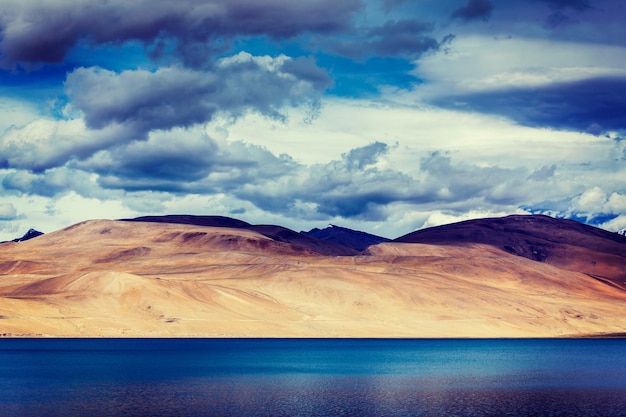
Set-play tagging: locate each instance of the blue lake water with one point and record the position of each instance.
(312, 377)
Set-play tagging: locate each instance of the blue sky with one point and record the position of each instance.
(381, 115)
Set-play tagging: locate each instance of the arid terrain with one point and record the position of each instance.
(518, 276)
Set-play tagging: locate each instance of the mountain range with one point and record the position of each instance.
(30, 234)
(214, 276)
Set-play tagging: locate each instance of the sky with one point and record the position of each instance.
(385, 116)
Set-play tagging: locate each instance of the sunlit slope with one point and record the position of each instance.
(114, 278)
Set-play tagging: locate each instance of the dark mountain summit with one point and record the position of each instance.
(564, 243)
(209, 221)
(346, 237)
(32, 233)
(276, 233)
(525, 235)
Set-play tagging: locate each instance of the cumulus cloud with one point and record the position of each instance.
(178, 97)
(142, 99)
(117, 108)
(45, 143)
(184, 160)
(350, 187)
(596, 206)
(52, 183)
(7, 211)
(166, 114)
(33, 32)
(361, 186)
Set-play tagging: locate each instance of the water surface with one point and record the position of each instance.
(312, 377)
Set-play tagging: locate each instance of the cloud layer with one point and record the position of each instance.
(383, 115)
(193, 26)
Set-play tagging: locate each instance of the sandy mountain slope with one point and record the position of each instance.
(146, 279)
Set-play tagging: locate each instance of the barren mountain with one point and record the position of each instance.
(30, 234)
(281, 234)
(158, 279)
(563, 243)
(346, 237)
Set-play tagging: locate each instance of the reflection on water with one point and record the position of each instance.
(191, 377)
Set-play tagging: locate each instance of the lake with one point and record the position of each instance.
(312, 377)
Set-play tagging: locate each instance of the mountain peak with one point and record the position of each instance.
(32, 233)
(277, 233)
(346, 237)
(567, 244)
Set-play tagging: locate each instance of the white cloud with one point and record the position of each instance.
(14, 113)
(484, 166)
(616, 224)
(616, 203)
(592, 200)
(480, 64)
(49, 214)
(417, 130)
(46, 143)
(7, 211)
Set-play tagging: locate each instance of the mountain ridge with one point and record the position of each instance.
(565, 243)
(107, 278)
(278, 233)
(30, 234)
(355, 239)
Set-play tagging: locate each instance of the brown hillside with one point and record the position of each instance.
(298, 241)
(563, 243)
(147, 279)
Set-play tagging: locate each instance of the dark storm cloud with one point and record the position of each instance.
(32, 32)
(407, 37)
(403, 37)
(474, 9)
(350, 187)
(119, 108)
(185, 160)
(173, 157)
(593, 105)
(305, 68)
(391, 4)
(357, 187)
(49, 184)
(558, 17)
(354, 186)
(579, 5)
(360, 185)
(460, 183)
(44, 144)
(127, 106)
(143, 101)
